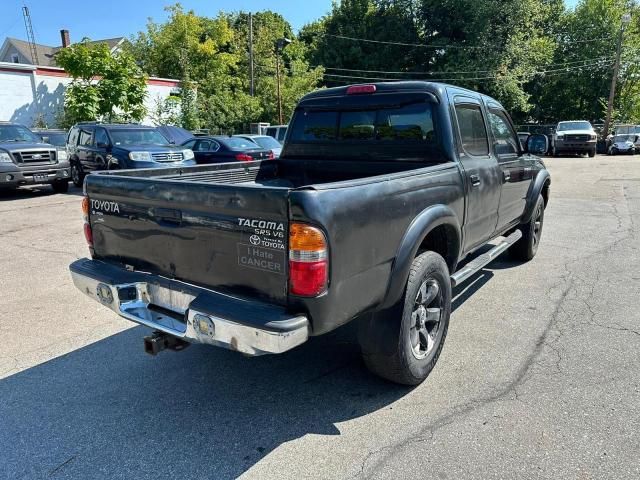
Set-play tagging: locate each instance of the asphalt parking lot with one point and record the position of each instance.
(539, 378)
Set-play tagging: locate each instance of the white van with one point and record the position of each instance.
(277, 131)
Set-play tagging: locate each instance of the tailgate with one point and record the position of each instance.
(231, 238)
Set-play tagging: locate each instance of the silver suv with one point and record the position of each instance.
(577, 137)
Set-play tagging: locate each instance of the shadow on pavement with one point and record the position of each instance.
(110, 411)
(36, 191)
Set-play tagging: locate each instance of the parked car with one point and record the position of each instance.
(265, 141)
(175, 135)
(25, 159)
(277, 131)
(226, 149)
(632, 130)
(577, 137)
(622, 144)
(380, 192)
(95, 146)
(52, 136)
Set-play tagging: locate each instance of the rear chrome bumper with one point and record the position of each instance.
(194, 314)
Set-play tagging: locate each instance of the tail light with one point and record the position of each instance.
(360, 89)
(308, 261)
(243, 157)
(88, 234)
(271, 155)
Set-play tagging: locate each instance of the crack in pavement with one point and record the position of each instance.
(62, 465)
(569, 279)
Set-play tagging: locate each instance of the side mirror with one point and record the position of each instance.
(537, 144)
(102, 145)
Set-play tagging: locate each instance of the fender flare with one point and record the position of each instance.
(534, 191)
(427, 220)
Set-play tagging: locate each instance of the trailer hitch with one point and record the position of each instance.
(158, 341)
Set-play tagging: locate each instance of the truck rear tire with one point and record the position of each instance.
(403, 344)
(526, 248)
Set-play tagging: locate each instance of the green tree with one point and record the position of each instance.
(627, 104)
(166, 111)
(586, 42)
(104, 84)
(494, 46)
(298, 77)
(212, 56)
(331, 39)
(500, 45)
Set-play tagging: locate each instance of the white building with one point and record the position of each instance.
(30, 92)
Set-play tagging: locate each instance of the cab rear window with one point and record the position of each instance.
(411, 122)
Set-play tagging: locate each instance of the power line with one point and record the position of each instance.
(6, 30)
(586, 62)
(401, 44)
(493, 77)
(447, 72)
(439, 47)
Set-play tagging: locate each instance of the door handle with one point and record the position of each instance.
(506, 175)
(475, 180)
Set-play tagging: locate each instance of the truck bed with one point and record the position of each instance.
(287, 174)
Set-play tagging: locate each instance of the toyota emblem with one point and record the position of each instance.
(254, 239)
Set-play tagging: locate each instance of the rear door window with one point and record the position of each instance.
(101, 136)
(281, 134)
(473, 132)
(203, 146)
(73, 137)
(505, 140)
(86, 137)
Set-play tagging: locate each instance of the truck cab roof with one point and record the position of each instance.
(439, 90)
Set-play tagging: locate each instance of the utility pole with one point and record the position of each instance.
(626, 18)
(280, 44)
(251, 78)
(278, 88)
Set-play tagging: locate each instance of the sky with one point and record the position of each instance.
(117, 18)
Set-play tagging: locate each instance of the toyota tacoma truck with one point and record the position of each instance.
(380, 194)
(25, 159)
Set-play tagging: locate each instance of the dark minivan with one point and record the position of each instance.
(94, 146)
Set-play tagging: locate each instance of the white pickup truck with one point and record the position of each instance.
(575, 137)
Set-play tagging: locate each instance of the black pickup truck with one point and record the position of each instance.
(380, 193)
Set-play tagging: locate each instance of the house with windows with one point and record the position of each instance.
(14, 50)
